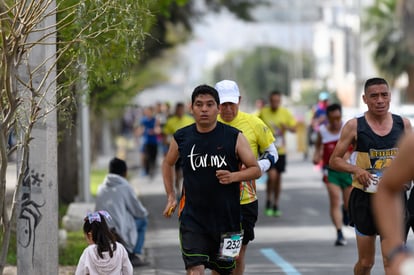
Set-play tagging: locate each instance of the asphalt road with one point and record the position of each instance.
(301, 241)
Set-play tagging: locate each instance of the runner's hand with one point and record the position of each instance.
(224, 176)
(364, 177)
(170, 208)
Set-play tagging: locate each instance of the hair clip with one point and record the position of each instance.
(96, 216)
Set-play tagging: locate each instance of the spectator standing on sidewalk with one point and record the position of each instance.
(280, 120)
(375, 135)
(177, 121)
(338, 184)
(129, 217)
(211, 156)
(261, 140)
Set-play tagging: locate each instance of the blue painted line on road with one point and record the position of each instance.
(279, 261)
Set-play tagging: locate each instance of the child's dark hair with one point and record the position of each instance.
(95, 224)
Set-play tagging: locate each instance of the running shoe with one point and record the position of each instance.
(340, 241)
(277, 213)
(137, 262)
(269, 212)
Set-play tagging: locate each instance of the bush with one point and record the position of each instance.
(97, 177)
(70, 254)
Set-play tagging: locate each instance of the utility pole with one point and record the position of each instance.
(84, 178)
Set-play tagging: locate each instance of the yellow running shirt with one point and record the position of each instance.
(174, 123)
(259, 137)
(275, 120)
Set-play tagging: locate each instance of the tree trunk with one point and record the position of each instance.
(67, 162)
(96, 135)
(409, 93)
(406, 9)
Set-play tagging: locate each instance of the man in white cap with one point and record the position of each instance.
(261, 140)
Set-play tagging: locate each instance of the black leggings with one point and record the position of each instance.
(150, 151)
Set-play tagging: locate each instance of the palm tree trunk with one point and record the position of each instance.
(409, 93)
(406, 8)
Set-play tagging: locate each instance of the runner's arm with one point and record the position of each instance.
(317, 155)
(407, 125)
(338, 160)
(167, 175)
(247, 158)
(387, 202)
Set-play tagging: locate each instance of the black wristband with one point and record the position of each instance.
(268, 156)
(397, 250)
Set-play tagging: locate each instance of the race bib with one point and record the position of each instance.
(230, 245)
(373, 183)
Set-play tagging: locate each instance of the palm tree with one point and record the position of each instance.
(406, 9)
(391, 55)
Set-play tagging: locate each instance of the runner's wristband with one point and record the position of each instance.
(397, 250)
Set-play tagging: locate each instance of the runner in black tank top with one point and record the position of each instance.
(373, 153)
(211, 154)
(375, 136)
(209, 205)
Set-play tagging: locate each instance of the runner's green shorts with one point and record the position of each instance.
(341, 179)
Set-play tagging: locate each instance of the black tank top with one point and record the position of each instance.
(208, 205)
(374, 152)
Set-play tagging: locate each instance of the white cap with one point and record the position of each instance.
(228, 91)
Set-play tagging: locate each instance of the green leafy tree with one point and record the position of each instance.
(118, 67)
(118, 26)
(262, 70)
(391, 55)
(171, 24)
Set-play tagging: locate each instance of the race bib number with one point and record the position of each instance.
(230, 245)
(373, 183)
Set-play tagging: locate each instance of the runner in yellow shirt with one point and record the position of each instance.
(261, 140)
(279, 120)
(177, 121)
